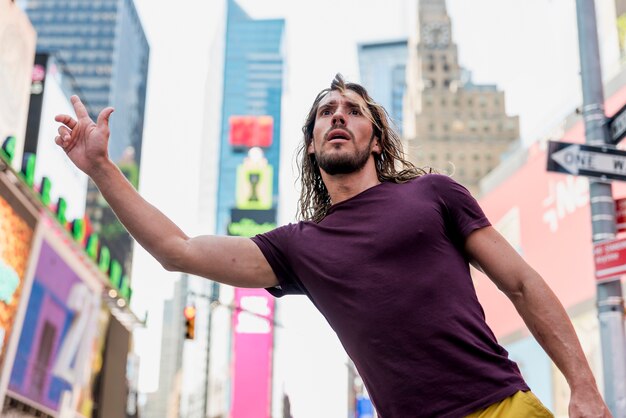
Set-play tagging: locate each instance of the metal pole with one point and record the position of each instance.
(609, 295)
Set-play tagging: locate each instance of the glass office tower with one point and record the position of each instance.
(383, 73)
(251, 107)
(103, 44)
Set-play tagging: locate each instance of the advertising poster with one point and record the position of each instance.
(17, 225)
(251, 131)
(54, 354)
(88, 394)
(253, 325)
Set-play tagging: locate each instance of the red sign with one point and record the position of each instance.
(251, 131)
(620, 214)
(610, 258)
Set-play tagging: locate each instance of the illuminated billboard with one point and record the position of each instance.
(51, 99)
(251, 131)
(56, 346)
(17, 226)
(253, 328)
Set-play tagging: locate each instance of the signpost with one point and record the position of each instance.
(610, 258)
(617, 125)
(604, 161)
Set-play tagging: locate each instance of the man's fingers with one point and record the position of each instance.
(103, 117)
(67, 120)
(79, 107)
(64, 133)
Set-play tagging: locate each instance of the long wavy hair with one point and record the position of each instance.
(391, 163)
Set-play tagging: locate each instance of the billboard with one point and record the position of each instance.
(253, 329)
(17, 52)
(56, 345)
(88, 395)
(17, 226)
(253, 318)
(251, 131)
(52, 162)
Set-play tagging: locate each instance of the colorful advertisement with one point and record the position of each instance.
(56, 346)
(248, 223)
(52, 162)
(87, 396)
(251, 131)
(17, 224)
(255, 182)
(253, 329)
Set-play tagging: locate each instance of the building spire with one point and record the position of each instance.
(432, 6)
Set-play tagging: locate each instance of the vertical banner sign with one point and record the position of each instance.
(253, 329)
(56, 343)
(16, 235)
(253, 318)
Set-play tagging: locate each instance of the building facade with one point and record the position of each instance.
(382, 67)
(17, 53)
(450, 123)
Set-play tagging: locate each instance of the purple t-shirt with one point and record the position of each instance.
(388, 270)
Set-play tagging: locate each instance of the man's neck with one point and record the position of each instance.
(344, 186)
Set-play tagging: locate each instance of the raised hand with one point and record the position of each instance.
(84, 142)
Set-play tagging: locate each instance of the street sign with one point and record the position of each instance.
(610, 258)
(620, 214)
(604, 162)
(617, 125)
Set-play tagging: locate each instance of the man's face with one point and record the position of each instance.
(343, 140)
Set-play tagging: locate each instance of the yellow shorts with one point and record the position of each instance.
(521, 404)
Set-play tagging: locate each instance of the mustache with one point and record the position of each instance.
(337, 127)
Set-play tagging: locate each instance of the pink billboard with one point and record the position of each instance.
(546, 217)
(253, 329)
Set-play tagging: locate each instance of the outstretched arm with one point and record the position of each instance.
(543, 314)
(232, 260)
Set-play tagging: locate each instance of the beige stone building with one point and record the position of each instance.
(449, 123)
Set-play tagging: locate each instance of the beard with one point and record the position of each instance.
(343, 163)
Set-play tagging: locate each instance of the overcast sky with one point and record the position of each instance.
(527, 48)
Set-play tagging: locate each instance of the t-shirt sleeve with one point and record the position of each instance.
(275, 246)
(464, 215)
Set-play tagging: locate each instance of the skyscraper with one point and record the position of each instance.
(104, 47)
(238, 196)
(383, 73)
(450, 123)
(253, 85)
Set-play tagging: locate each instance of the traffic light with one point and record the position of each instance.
(190, 321)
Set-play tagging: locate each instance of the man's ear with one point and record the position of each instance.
(310, 149)
(376, 148)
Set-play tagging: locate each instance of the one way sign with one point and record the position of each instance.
(604, 162)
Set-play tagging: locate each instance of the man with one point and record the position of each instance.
(383, 253)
